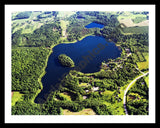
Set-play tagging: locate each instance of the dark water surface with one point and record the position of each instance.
(94, 25)
(87, 55)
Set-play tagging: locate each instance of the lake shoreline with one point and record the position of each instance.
(43, 73)
(46, 62)
(68, 42)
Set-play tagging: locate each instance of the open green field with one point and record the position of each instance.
(145, 64)
(16, 97)
(133, 20)
(135, 30)
(129, 15)
(87, 111)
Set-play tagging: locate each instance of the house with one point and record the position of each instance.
(84, 97)
(95, 88)
(127, 50)
(86, 90)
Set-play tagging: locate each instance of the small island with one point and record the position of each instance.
(65, 60)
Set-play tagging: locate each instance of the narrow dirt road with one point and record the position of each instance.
(125, 92)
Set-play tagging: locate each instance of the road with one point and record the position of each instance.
(125, 92)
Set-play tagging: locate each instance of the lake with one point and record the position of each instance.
(94, 25)
(87, 54)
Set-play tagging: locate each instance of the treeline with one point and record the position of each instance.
(27, 65)
(46, 35)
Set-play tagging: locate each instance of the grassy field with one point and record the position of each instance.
(16, 96)
(87, 111)
(132, 20)
(27, 25)
(145, 64)
(129, 15)
(64, 24)
(135, 30)
(66, 96)
(84, 85)
(30, 24)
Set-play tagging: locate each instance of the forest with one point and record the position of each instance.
(101, 91)
(27, 65)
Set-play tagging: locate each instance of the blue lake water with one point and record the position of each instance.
(94, 25)
(87, 55)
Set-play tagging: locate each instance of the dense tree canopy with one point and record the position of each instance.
(27, 65)
(65, 60)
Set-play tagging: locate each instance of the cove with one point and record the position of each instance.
(94, 25)
(87, 54)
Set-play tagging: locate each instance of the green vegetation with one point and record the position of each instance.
(78, 21)
(34, 33)
(47, 35)
(16, 97)
(135, 16)
(136, 29)
(23, 15)
(87, 111)
(145, 64)
(137, 98)
(65, 60)
(147, 80)
(139, 19)
(27, 65)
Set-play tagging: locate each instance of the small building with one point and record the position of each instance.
(127, 50)
(86, 90)
(84, 97)
(95, 88)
